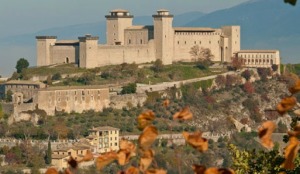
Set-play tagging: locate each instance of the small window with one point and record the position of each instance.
(129, 41)
(116, 144)
(184, 42)
(141, 41)
(178, 42)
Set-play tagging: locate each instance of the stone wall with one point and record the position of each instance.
(184, 41)
(127, 100)
(77, 99)
(64, 54)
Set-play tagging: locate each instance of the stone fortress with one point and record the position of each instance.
(127, 43)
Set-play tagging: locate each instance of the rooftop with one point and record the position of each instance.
(104, 128)
(67, 42)
(119, 10)
(257, 51)
(23, 82)
(56, 156)
(140, 27)
(64, 88)
(200, 29)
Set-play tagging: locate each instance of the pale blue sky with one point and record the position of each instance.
(23, 16)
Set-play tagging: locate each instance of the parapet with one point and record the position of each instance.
(163, 13)
(88, 37)
(46, 37)
(119, 13)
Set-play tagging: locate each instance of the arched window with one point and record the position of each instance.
(67, 60)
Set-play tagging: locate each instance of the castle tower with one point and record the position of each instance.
(43, 50)
(116, 23)
(88, 49)
(233, 34)
(163, 36)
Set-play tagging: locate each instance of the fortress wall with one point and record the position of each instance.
(112, 55)
(184, 41)
(60, 53)
(77, 100)
(136, 37)
(120, 101)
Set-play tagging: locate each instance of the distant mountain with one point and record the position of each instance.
(265, 24)
(97, 28)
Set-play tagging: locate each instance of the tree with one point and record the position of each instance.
(274, 67)
(202, 56)
(129, 89)
(48, 157)
(263, 73)
(220, 81)
(21, 64)
(246, 74)
(56, 76)
(15, 76)
(248, 88)
(158, 66)
(237, 63)
(1, 112)
(9, 94)
(86, 78)
(49, 80)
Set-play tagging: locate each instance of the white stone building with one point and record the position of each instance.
(127, 43)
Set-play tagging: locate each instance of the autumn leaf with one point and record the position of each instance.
(127, 150)
(106, 159)
(198, 169)
(145, 119)
(87, 157)
(295, 132)
(51, 171)
(147, 138)
(295, 88)
(286, 104)
(156, 171)
(292, 2)
(214, 170)
(130, 170)
(184, 114)
(73, 163)
(290, 153)
(265, 133)
(146, 159)
(196, 141)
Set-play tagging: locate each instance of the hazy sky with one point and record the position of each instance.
(19, 17)
(23, 16)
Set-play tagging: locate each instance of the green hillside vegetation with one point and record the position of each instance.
(119, 74)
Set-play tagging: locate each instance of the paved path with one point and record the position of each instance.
(141, 88)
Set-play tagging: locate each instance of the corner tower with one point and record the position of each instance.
(163, 36)
(233, 33)
(43, 49)
(116, 22)
(88, 49)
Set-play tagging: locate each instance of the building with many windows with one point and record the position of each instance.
(104, 139)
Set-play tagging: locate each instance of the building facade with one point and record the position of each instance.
(72, 99)
(127, 43)
(259, 58)
(104, 139)
(25, 89)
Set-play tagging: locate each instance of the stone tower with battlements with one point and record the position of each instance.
(116, 22)
(43, 50)
(163, 36)
(88, 48)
